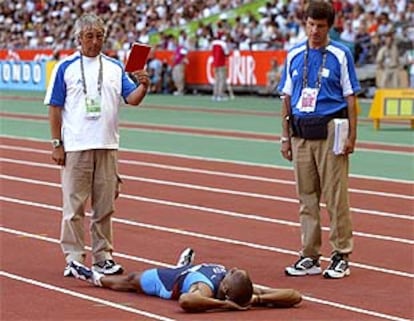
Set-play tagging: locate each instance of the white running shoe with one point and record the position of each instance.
(84, 273)
(108, 267)
(338, 268)
(186, 257)
(304, 266)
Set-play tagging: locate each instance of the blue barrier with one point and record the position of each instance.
(23, 75)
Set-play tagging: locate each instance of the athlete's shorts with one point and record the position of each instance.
(152, 284)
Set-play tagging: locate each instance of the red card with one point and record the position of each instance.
(137, 57)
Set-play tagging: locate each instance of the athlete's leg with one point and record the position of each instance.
(130, 282)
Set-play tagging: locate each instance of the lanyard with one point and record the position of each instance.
(100, 76)
(305, 68)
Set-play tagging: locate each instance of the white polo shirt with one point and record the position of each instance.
(66, 90)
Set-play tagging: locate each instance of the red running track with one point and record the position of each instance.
(233, 214)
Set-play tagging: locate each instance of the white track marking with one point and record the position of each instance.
(84, 296)
(216, 238)
(157, 317)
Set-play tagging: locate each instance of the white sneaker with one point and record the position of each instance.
(80, 271)
(186, 257)
(84, 273)
(108, 267)
(67, 272)
(338, 268)
(304, 266)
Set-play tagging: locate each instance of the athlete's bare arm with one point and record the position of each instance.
(275, 298)
(200, 298)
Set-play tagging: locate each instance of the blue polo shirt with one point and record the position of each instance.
(338, 77)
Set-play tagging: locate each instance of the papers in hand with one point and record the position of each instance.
(137, 57)
(341, 134)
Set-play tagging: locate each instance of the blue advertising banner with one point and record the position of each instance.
(23, 75)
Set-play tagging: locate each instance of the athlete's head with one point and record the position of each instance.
(237, 287)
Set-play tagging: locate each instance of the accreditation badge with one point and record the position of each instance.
(308, 100)
(93, 107)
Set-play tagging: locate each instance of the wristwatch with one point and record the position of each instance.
(284, 139)
(56, 143)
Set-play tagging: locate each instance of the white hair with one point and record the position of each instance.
(87, 21)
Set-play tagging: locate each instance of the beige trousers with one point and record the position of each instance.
(88, 174)
(321, 173)
(219, 81)
(178, 75)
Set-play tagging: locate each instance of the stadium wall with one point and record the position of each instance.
(246, 69)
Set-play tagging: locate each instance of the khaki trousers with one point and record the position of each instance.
(178, 75)
(88, 174)
(319, 172)
(219, 81)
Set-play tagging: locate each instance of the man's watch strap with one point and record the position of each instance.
(284, 139)
(56, 143)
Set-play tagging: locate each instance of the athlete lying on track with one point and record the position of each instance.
(197, 288)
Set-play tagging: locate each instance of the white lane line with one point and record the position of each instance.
(191, 157)
(219, 190)
(211, 210)
(84, 296)
(212, 173)
(308, 298)
(215, 238)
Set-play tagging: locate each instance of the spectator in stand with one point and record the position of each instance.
(337, 5)
(166, 76)
(179, 63)
(409, 61)
(357, 16)
(223, 25)
(394, 15)
(388, 63)
(348, 34)
(339, 22)
(385, 26)
(362, 45)
(372, 23)
(273, 77)
(293, 25)
(382, 7)
(220, 52)
(369, 5)
(154, 68)
(205, 36)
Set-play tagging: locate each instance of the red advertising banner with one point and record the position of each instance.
(245, 68)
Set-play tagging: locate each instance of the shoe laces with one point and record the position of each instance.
(106, 263)
(335, 260)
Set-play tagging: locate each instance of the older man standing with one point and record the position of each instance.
(84, 96)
